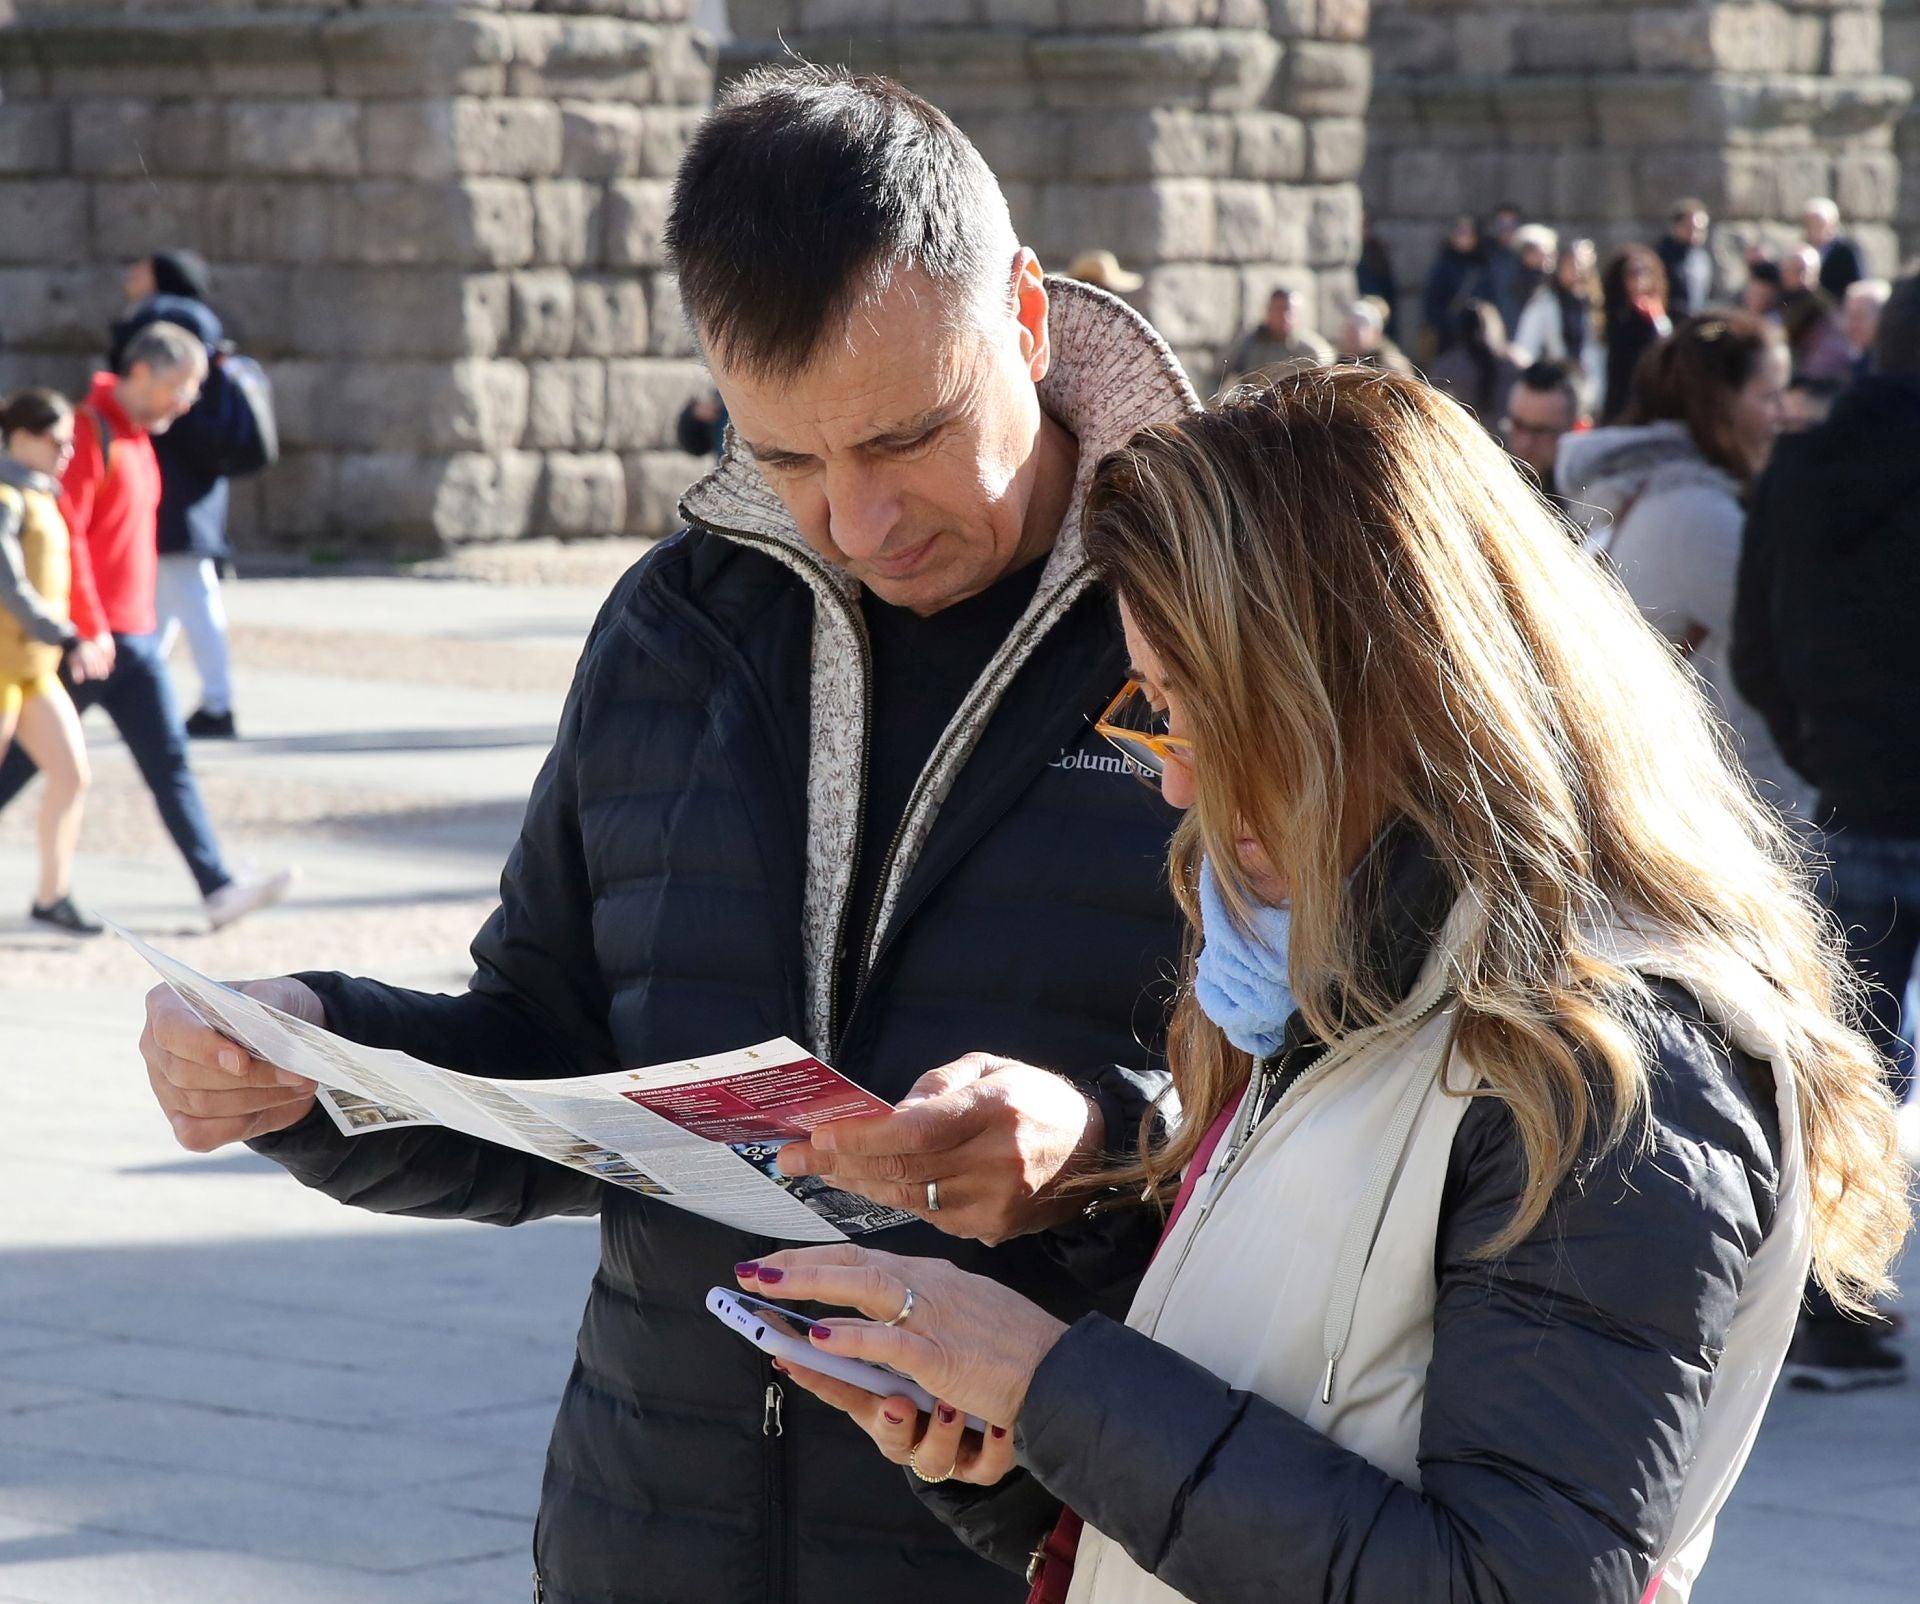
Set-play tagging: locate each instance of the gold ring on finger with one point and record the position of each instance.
(913, 1465)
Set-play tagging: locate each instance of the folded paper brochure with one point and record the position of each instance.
(699, 1134)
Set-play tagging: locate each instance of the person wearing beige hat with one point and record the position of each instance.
(1103, 271)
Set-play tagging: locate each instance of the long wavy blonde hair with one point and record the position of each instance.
(1368, 615)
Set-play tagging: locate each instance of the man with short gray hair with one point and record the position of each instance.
(823, 773)
(1841, 263)
(110, 496)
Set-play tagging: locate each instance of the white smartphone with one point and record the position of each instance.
(771, 1329)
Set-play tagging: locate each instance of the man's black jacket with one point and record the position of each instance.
(652, 910)
(1824, 616)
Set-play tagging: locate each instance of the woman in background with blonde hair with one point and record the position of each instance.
(1517, 1093)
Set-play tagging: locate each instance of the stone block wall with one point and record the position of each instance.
(1596, 116)
(1213, 144)
(438, 224)
(1900, 33)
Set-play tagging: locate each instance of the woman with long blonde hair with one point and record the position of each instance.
(1517, 1086)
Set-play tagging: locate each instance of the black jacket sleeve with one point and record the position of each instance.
(1564, 1394)
(1106, 1248)
(1756, 667)
(536, 1008)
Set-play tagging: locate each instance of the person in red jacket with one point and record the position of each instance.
(110, 495)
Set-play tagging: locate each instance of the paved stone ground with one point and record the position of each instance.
(215, 1386)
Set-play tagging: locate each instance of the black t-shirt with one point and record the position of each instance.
(922, 671)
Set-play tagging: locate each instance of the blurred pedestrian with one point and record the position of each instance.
(1374, 275)
(1504, 281)
(1684, 255)
(1277, 344)
(1633, 293)
(701, 428)
(1363, 339)
(1816, 339)
(1476, 369)
(1544, 406)
(1672, 481)
(1761, 294)
(227, 433)
(1860, 312)
(1799, 273)
(1537, 247)
(36, 634)
(1103, 271)
(1840, 261)
(110, 496)
(1559, 321)
(1823, 647)
(1456, 277)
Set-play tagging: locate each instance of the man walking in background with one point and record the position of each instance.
(223, 435)
(111, 499)
(1840, 261)
(1823, 648)
(1683, 253)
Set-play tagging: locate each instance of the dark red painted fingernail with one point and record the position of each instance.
(820, 1332)
(747, 1271)
(898, 1420)
(998, 1431)
(766, 1272)
(946, 1414)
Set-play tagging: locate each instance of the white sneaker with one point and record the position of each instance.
(248, 894)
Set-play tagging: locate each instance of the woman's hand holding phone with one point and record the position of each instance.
(966, 1340)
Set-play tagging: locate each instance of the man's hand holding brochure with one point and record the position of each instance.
(701, 1135)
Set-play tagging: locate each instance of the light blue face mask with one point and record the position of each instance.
(1240, 978)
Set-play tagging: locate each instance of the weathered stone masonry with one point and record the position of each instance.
(439, 224)
(1213, 144)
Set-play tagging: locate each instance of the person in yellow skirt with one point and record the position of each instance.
(37, 635)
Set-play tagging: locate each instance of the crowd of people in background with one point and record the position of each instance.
(113, 523)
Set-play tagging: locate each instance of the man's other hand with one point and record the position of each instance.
(211, 1089)
(994, 1136)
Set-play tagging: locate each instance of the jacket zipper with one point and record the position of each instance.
(782, 1564)
(1255, 1119)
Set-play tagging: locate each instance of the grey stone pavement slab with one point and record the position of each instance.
(219, 1388)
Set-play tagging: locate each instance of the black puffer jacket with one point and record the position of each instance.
(1823, 618)
(1611, 1316)
(652, 910)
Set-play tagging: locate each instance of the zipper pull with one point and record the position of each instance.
(770, 1423)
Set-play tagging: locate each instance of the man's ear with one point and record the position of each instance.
(1030, 308)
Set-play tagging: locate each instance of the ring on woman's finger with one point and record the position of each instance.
(913, 1465)
(906, 1308)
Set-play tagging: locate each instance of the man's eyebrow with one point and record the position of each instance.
(761, 453)
(916, 428)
